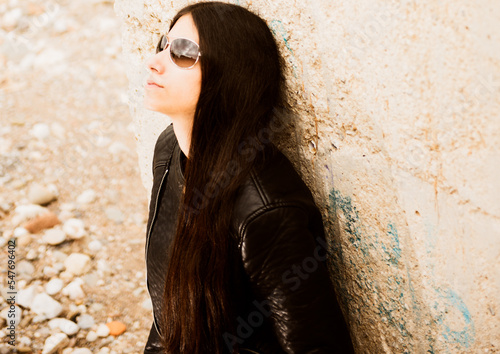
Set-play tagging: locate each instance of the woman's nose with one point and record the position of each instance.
(154, 64)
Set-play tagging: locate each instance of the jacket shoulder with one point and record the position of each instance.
(166, 139)
(275, 184)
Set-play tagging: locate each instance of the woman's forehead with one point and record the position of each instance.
(185, 28)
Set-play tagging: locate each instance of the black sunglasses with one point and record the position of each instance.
(184, 52)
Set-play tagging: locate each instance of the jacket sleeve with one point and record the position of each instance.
(153, 345)
(286, 267)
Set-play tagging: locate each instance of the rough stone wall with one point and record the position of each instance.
(397, 132)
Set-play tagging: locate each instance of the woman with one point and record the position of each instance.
(235, 245)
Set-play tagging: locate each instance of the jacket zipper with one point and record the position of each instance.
(147, 246)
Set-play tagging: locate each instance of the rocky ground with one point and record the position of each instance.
(71, 199)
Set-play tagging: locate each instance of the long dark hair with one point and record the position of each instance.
(242, 84)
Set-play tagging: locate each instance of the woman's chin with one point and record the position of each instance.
(150, 106)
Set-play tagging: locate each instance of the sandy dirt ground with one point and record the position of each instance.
(66, 135)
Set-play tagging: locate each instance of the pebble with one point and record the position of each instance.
(77, 263)
(103, 330)
(42, 222)
(40, 131)
(88, 196)
(53, 286)
(59, 256)
(95, 245)
(25, 296)
(18, 312)
(20, 231)
(115, 214)
(81, 351)
(41, 195)
(28, 211)
(117, 147)
(85, 321)
(67, 326)
(46, 306)
(11, 18)
(55, 342)
(91, 336)
(116, 328)
(50, 272)
(91, 279)
(25, 268)
(96, 307)
(31, 255)
(58, 130)
(74, 228)
(74, 290)
(54, 236)
(146, 304)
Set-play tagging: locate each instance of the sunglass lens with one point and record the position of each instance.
(161, 44)
(184, 52)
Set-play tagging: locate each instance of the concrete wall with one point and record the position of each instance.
(398, 134)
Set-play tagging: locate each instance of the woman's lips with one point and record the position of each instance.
(153, 84)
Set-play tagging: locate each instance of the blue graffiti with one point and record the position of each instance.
(464, 337)
(395, 253)
(279, 30)
(387, 299)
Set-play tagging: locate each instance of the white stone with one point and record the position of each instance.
(25, 341)
(28, 211)
(46, 306)
(115, 214)
(40, 131)
(91, 336)
(55, 342)
(77, 263)
(91, 279)
(18, 312)
(49, 271)
(95, 245)
(103, 267)
(146, 304)
(117, 147)
(20, 231)
(25, 268)
(74, 290)
(85, 321)
(53, 286)
(66, 276)
(58, 130)
(74, 228)
(41, 195)
(81, 351)
(87, 197)
(11, 18)
(54, 236)
(25, 297)
(59, 256)
(67, 326)
(5, 145)
(31, 255)
(102, 330)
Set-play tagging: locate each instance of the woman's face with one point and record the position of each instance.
(170, 89)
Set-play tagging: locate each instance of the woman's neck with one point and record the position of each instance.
(182, 130)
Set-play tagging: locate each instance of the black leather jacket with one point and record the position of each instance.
(286, 299)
